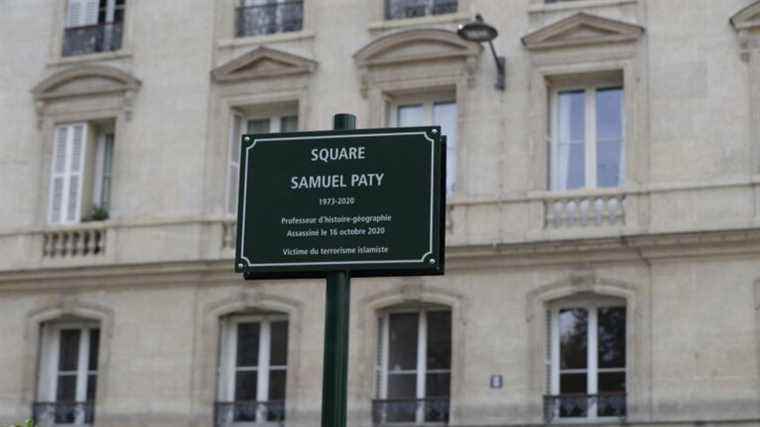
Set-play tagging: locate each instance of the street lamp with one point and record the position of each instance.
(478, 31)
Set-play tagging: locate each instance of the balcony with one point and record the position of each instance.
(403, 9)
(249, 411)
(570, 407)
(270, 18)
(92, 39)
(84, 241)
(584, 210)
(49, 414)
(411, 411)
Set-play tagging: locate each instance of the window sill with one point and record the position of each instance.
(269, 38)
(91, 57)
(459, 17)
(578, 4)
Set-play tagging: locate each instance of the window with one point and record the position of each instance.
(68, 373)
(434, 113)
(253, 369)
(81, 172)
(587, 147)
(588, 361)
(401, 9)
(413, 367)
(240, 126)
(93, 26)
(261, 17)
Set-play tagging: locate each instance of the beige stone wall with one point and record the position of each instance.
(685, 256)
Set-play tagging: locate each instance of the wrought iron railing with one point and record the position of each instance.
(49, 414)
(429, 410)
(603, 405)
(249, 411)
(402, 9)
(92, 39)
(258, 20)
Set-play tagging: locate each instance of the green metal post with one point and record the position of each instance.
(337, 310)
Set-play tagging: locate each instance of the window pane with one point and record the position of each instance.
(67, 388)
(402, 354)
(572, 384)
(277, 385)
(445, 116)
(68, 358)
(248, 344)
(92, 384)
(402, 386)
(573, 327)
(94, 345)
(439, 340)
(245, 385)
(279, 355)
(611, 382)
(569, 157)
(611, 338)
(289, 124)
(258, 126)
(411, 115)
(609, 128)
(437, 385)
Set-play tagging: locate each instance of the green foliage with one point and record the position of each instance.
(27, 423)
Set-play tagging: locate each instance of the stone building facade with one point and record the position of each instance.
(603, 215)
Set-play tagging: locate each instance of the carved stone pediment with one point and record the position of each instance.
(84, 81)
(582, 29)
(747, 18)
(415, 46)
(263, 62)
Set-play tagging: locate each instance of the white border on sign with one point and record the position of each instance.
(296, 138)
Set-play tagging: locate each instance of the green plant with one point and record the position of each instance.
(99, 213)
(27, 423)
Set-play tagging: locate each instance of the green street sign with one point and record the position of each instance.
(367, 201)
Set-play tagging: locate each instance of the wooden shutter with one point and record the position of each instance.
(91, 8)
(82, 12)
(67, 173)
(233, 169)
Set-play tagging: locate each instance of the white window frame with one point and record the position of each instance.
(428, 103)
(49, 361)
(592, 370)
(590, 137)
(382, 369)
(228, 360)
(233, 152)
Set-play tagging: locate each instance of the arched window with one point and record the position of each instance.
(253, 368)
(68, 372)
(587, 356)
(413, 365)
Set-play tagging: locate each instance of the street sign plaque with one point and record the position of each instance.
(368, 201)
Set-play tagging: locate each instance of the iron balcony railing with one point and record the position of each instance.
(402, 9)
(248, 411)
(428, 410)
(271, 18)
(92, 39)
(49, 414)
(603, 405)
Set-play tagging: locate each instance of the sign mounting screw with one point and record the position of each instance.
(435, 130)
(247, 139)
(240, 265)
(432, 261)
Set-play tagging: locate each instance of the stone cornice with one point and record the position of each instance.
(582, 29)
(747, 18)
(263, 62)
(637, 248)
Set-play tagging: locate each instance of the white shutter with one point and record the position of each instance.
(67, 173)
(75, 13)
(58, 174)
(234, 165)
(91, 12)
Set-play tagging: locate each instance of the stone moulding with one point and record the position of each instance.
(84, 81)
(747, 18)
(263, 62)
(582, 29)
(415, 47)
